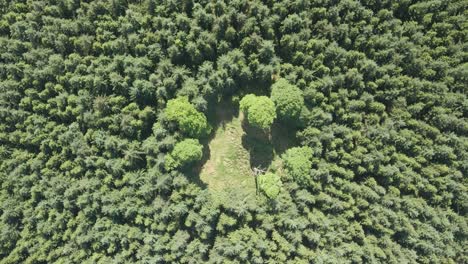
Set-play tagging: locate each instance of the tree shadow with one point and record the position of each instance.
(258, 143)
(193, 172)
(225, 111)
(263, 146)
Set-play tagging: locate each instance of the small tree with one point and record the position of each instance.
(288, 99)
(247, 101)
(297, 162)
(184, 152)
(260, 110)
(190, 121)
(270, 184)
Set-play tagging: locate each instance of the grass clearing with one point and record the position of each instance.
(228, 165)
(235, 149)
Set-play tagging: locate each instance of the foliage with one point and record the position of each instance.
(270, 184)
(184, 152)
(190, 121)
(260, 110)
(85, 88)
(288, 99)
(298, 162)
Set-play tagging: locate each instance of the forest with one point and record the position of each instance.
(233, 131)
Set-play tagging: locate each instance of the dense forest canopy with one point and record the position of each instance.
(107, 108)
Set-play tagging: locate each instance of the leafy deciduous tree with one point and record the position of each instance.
(297, 162)
(260, 110)
(190, 121)
(288, 99)
(270, 184)
(184, 152)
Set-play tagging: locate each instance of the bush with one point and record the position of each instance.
(184, 152)
(270, 184)
(297, 162)
(191, 122)
(260, 110)
(288, 100)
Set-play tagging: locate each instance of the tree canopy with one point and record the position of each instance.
(270, 184)
(298, 162)
(190, 121)
(288, 99)
(184, 152)
(259, 110)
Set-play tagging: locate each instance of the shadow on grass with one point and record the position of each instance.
(283, 137)
(257, 142)
(193, 172)
(225, 111)
(263, 145)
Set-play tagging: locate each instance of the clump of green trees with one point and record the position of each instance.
(298, 162)
(288, 99)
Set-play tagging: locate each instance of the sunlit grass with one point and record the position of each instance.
(229, 162)
(236, 148)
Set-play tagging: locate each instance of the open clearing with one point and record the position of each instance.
(228, 165)
(234, 150)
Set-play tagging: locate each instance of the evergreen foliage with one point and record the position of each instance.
(298, 162)
(97, 97)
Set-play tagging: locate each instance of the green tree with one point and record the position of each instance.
(191, 122)
(270, 184)
(288, 99)
(260, 110)
(297, 162)
(184, 152)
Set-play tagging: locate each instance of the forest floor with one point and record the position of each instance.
(235, 148)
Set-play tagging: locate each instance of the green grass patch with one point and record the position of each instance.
(228, 165)
(235, 148)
